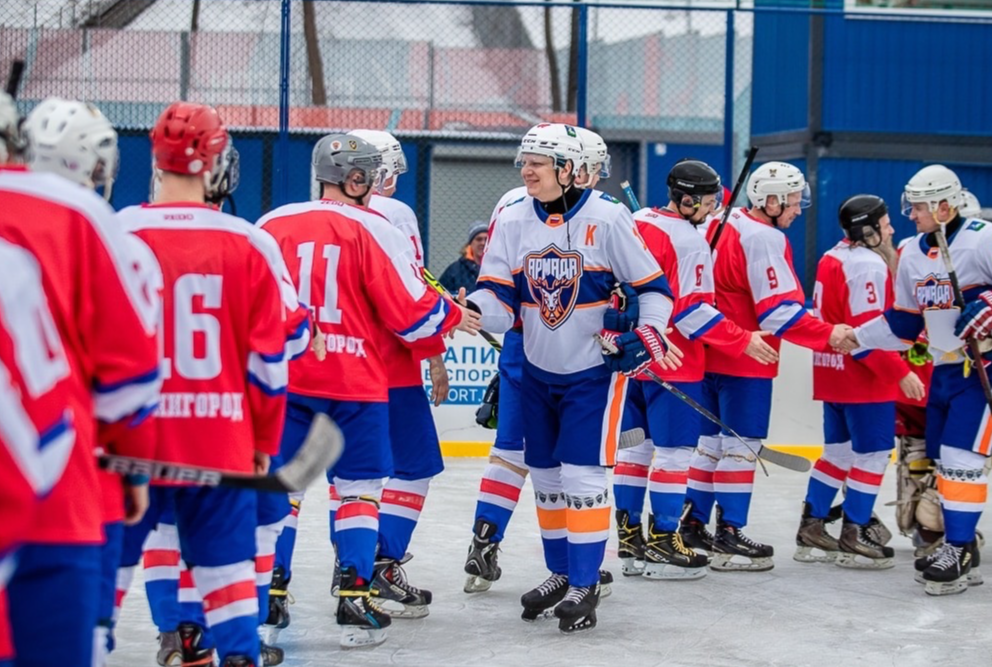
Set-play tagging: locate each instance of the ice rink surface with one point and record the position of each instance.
(797, 614)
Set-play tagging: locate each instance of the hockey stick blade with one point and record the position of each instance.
(632, 438)
(14, 78)
(784, 459)
(322, 447)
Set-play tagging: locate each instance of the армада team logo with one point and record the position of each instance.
(553, 280)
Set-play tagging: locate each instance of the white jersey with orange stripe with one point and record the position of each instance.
(555, 272)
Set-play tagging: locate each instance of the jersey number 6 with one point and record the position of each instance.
(193, 361)
(328, 312)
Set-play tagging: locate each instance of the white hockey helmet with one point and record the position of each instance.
(970, 206)
(780, 179)
(555, 140)
(72, 139)
(11, 142)
(594, 154)
(932, 185)
(393, 159)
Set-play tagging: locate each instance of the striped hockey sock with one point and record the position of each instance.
(266, 538)
(356, 524)
(828, 476)
(161, 573)
(667, 484)
(499, 492)
(551, 517)
(587, 519)
(733, 480)
(863, 482)
(230, 604)
(287, 538)
(699, 485)
(402, 502)
(963, 488)
(630, 479)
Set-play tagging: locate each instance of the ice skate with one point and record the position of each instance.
(577, 611)
(279, 601)
(695, 535)
(362, 621)
(813, 543)
(974, 576)
(170, 650)
(395, 595)
(538, 601)
(482, 562)
(272, 655)
(731, 542)
(605, 584)
(948, 574)
(193, 653)
(859, 551)
(667, 557)
(336, 578)
(631, 548)
(878, 531)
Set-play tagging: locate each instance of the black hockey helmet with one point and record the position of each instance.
(692, 178)
(862, 211)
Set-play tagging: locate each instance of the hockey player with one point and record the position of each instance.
(756, 287)
(36, 424)
(552, 260)
(506, 471)
(957, 431)
(853, 286)
(107, 324)
(360, 275)
(673, 426)
(225, 302)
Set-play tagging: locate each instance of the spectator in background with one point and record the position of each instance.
(465, 270)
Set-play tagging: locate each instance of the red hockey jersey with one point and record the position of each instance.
(853, 286)
(225, 300)
(360, 275)
(106, 324)
(403, 360)
(756, 287)
(36, 431)
(685, 257)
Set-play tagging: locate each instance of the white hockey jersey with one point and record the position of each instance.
(922, 283)
(555, 272)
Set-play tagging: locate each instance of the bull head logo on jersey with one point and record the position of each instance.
(553, 280)
(934, 292)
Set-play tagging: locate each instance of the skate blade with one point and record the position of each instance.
(670, 572)
(814, 555)
(631, 567)
(726, 563)
(354, 637)
(947, 588)
(975, 577)
(399, 610)
(171, 660)
(858, 562)
(573, 628)
(334, 591)
(474, 584)
(605, 591)
(534, 616)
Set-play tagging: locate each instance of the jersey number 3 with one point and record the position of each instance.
(327, 312)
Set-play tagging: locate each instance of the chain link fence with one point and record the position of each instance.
(457, 83)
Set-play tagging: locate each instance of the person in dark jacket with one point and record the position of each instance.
(465, 270)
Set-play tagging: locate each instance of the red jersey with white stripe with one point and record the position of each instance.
(757, 287)
(403, 361)
(106, 324)
(685, 257)
(853, 286)
(36, 431)
(361, 276)
(225, 299)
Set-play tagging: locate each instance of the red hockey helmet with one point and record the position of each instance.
(188, 139)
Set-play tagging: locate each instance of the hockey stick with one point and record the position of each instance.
(631, 197)
(733, 197)
(433, 282)
(976, 353)
(321, 449)
(783, 459)
(14, 78)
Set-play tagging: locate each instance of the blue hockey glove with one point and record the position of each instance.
(623, 312)
(636, 350)
(975, 321)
